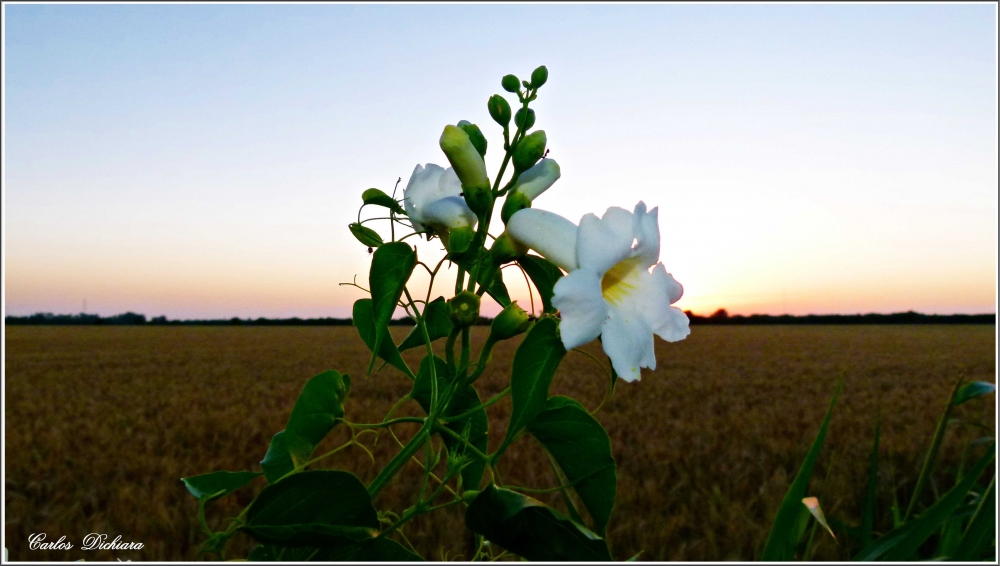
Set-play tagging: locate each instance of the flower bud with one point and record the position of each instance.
(515, 201)
(463, 309)
(475, 136)
(510, 83)
(528, 151)
(464, 157)
(524, 121)
(539, 76)
(469, 168)
(457, 240)
(511, 321)
(538, 179)
(506, 249)
(499, 110)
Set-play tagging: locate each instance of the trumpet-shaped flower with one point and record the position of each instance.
(609, 291)
(433, 198)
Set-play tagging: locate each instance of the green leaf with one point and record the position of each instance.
(379, 198)
(581, 447)
(274, 553)
(460, 403)
(365, 323)
(392, 265)
(788, 524)
(365, 235)
(316, 412)
(543, 274)
(932, 452)
(535, 363)
(438, 325)
(277, 462)
(981, 532)
(372, 550)
(217, 484)
(529, 528)
(868, 507)
(320, 508)
(931, 520)
(973, 390)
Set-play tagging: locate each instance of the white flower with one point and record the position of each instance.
(536, 180)
(432, 198)
(609, 290)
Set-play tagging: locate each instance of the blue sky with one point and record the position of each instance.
(204, 160)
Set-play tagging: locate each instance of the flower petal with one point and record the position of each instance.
(646, 228)
(603, 242)
(548, 234)
(450, 212)
(583, 310)
(428, 184)
(676, 327)
(628, 341)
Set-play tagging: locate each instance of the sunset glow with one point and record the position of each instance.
(204, 161)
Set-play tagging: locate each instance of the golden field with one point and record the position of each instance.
(102, 422)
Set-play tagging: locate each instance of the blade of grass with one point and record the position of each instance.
(784, 535)
(981, 530)
(925, 472)
(932, 519)
(868, 507)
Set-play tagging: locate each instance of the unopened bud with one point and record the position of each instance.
(469, 168)
(539, 76)
(538, 179)
(499, 110)
(463, 309)
(524, 120)
(528, 151)
(464, 157)
(515, 201)
(510, 83)
(511, 321)
(506, 249)
(475, 136)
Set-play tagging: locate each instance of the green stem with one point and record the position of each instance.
(400, 459)
(386, 423)
(457, 437)
(466, 346)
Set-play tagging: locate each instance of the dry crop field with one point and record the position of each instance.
(102, 422)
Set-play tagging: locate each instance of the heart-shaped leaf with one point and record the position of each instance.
(581, 447)
(531, 529)
(543, 274)
(364, 321)
(535, 363)
(379, 198)
(391, 267)
(212, 486)
(321, 508)
(316, 412)
(438, 322)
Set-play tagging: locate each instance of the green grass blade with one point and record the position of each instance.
(981, 530)
(868, 507)
(925, 472)
(784, 534)
(932, 519)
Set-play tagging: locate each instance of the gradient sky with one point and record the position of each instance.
(205, 160)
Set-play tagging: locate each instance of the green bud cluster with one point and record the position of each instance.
(463, 309)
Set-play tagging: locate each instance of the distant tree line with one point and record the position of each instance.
(719, 317)
(910, 317)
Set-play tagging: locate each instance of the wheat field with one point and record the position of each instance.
(102, 422)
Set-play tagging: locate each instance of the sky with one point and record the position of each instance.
(204, 161)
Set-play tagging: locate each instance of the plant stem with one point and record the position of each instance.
(469, 413)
